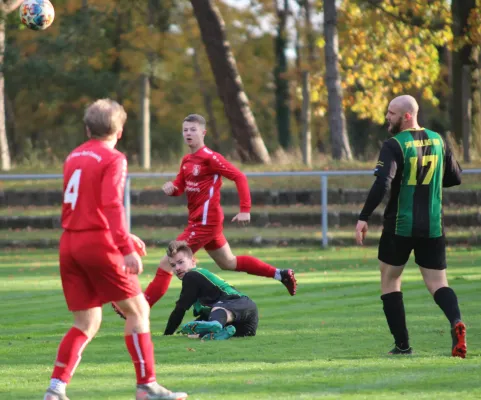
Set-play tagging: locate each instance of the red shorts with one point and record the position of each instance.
(198, 237)
(91, 268)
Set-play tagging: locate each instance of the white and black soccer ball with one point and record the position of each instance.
(37, 14)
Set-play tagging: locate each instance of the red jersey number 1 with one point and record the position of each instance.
(71, 192)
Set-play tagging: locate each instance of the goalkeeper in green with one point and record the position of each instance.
(222, 310)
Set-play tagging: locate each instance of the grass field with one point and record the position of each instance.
(238, 233)
(327, 342)
(42, 211)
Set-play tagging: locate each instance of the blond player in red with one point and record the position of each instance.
(99, 260)
(200, 178)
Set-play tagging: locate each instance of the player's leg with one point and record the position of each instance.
(114, 284)
(393, 254)
(159, 285)
(223, 317)
(218, 318)
(105, 267)
(69, 354)
(84, 303)
(247, 318)
(220, 251)
(141, 349)
(431, 258)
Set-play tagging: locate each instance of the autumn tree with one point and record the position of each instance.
(250, 146)
(6, 7)
(466, 59)
(281, 80)
(337, 122)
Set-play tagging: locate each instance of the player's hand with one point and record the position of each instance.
(139, 245)
(169, 188)
(133, 263)
(361, 232)
(243, 218)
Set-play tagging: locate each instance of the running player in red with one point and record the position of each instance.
(200, 177)
(99, 261)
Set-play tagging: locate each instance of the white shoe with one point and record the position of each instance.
(153, 391)
(51, 394)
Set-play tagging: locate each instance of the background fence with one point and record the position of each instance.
(323, 188)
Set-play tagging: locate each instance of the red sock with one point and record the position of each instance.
(141, 350)
(158, 287)
(69, 354)
(254, 266)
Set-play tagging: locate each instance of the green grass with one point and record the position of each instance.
(327, 342)
(293, 232)
(33, 211)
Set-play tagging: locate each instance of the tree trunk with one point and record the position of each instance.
(207, 98)
(4, 150)
(337, 119)
(461, 75)
(310, 37)
(145, 118)
(466, 107)
(297, 111)
(280, 80)
(15, 140)
(306, 120)
(476, 100)
(250, 146)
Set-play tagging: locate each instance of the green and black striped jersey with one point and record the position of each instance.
(202, 289)
(415, 164)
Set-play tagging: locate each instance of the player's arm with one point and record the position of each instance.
(187, 298)
(220, 165)
(452, 169)
(385, 172)
(177, 186)
(112, 192)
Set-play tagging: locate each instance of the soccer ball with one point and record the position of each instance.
(37, 14)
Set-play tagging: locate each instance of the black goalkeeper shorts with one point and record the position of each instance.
(429, 253)
(246, 317)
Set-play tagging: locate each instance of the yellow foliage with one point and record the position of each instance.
(383, 57)
(474, 25)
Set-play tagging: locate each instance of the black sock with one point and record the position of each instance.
(218, 315)
(393, 306)
(446, 299)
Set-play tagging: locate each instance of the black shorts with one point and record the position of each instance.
(429, 253)
(246, 317)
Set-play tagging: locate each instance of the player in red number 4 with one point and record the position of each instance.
(99, 260)
(200, 177)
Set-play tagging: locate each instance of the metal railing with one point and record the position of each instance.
(323, 178)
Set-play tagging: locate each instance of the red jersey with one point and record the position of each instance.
(200, 176)
(94, 180)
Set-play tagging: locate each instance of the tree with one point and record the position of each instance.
(465, 74)
(389, 47)
(250, 146)
(6, 7)
(280, 79)
(337, 121)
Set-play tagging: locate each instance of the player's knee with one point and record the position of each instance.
(433, 287)
(135, 307)
(227, 264)
(89, 324)
(165, 265)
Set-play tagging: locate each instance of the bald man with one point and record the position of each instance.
(415, 164)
